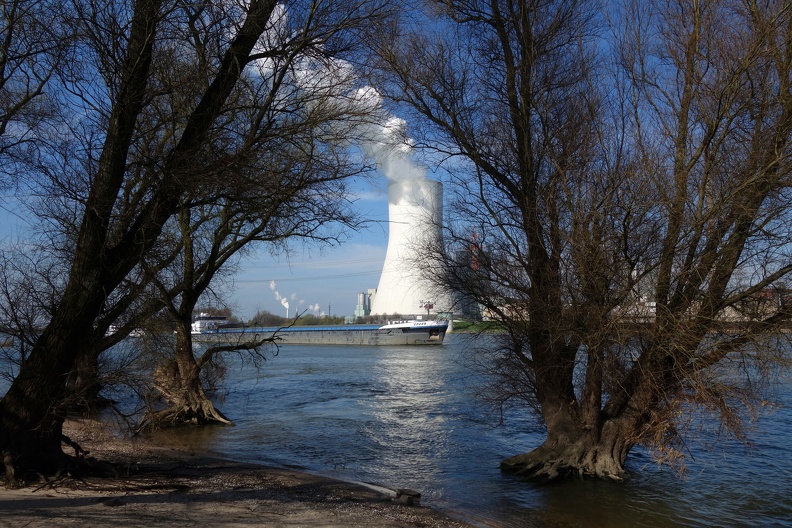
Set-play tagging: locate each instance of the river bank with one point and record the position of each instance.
(170, 486)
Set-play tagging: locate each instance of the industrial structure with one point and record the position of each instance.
(415, 212)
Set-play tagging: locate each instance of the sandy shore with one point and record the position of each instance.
(170, 487)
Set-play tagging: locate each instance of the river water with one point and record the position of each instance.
(406, 417)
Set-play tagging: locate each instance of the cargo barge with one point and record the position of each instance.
(414, 332)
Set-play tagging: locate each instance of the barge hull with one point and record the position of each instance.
(366, 336)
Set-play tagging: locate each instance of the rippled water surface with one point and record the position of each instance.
(406, 417)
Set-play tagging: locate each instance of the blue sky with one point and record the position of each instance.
(330, 278)
(311, 280)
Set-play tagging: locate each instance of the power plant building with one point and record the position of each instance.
(415, 212)
(363, 307)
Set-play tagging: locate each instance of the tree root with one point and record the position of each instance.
(552, 463)
(181, 415)
(187, 402)
(55, 468)
(79, 452)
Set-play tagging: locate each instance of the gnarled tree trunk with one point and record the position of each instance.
(33, 410)
(599, 453)
(179, 383)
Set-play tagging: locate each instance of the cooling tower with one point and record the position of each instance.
(415, 211)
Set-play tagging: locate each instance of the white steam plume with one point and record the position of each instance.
(285, 302)
(363, 119)
(333, 84)
(280, 298)
(384, 139)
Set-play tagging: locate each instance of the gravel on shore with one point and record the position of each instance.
(168, 487)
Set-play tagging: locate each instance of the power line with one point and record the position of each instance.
(325, 263)
(312, 277)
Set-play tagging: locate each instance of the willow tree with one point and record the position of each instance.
(293, 195)
(272, 170)
(630, 224)
(118, 221)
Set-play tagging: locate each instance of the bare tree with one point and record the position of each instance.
(134, 154)
(31, 50)
(622, 223)
(273, 170)
(286, 144)
(296, 203)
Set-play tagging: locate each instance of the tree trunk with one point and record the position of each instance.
(581, 440)
(179, 384)
(84, 384)
(583, 454)
(33, 410)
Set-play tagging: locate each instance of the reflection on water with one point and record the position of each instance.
(406, 417)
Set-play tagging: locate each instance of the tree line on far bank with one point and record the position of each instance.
(268, 319)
